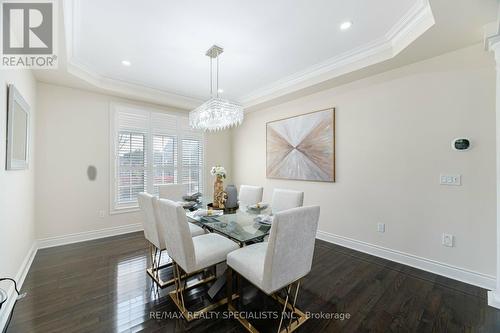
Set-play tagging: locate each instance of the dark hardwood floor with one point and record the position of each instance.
(101, 286)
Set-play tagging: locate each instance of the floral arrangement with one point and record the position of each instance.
(218, 171)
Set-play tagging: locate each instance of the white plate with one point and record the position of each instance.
(206, 212)
(259, 206)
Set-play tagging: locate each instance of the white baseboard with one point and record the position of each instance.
(457, 273)
(88, 235)
(11, 293)
(493, 299)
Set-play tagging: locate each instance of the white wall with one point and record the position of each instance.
(394, 132)
(17, 208)
(73, 133)
(219, 152)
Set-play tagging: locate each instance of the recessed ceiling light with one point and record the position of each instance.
(126, 63)
(220, 91)
(345, 25)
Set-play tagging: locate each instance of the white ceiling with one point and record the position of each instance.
(272, 48)
(264, 41)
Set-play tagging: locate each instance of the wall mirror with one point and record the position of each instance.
(18, 120)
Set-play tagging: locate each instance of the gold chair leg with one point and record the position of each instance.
(154, 270)
(229, 280)
(177, 295)
(284, 307)
(157, 270)
(292, 326)
(301, 316)
(229, 285)
(294, 302)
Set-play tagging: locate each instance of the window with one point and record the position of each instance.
(192, 168)
(131, 166)
(150, 149)
(164, 160)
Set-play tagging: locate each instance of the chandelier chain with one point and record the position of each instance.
(217, 75)
(211, 80)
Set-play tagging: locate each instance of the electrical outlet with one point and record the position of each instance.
(102, 213)
(448, 240)
(381, 227)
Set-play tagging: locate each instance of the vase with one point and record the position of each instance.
(219, 194)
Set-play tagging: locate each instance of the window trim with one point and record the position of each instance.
(180, 133)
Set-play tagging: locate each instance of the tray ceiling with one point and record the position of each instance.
(270, 47)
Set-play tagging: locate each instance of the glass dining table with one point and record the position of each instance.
(240, 226)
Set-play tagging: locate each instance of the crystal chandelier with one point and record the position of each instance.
(216, 113)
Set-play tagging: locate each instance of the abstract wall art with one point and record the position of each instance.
(302, 147)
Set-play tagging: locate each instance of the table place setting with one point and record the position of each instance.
(258, 207)
(191, 201)
(264, 219)
(188, 204)
(194, 197)
(208, 212)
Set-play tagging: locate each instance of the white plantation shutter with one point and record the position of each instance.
(164, 161)
(192, 157)
(192, 164)
(129, 119)
(130, 157)
(164, 137)
(151, 149)
(162, 123)
(131, 167)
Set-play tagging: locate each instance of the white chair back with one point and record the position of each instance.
(250, 195)
(290, 249)
(147, 203)
(172, 192)
(180, 245)
(286, 199)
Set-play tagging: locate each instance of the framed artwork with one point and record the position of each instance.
(302, 147)
(18, 130)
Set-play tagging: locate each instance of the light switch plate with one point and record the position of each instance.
(448, 240)
(451, 180)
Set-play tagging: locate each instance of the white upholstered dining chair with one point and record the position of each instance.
(250, 195)
(175, 192)
(281, 262)
(154, 232)
(190, 254)
(286, 199)
(172, 192)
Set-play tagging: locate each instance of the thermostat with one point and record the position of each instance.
(461, 144)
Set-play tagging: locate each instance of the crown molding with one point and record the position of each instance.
(129, 89)
(492, 36)
(141, 91)
(492, 40)
(411, 26)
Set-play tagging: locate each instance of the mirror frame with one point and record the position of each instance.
(14, 96)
